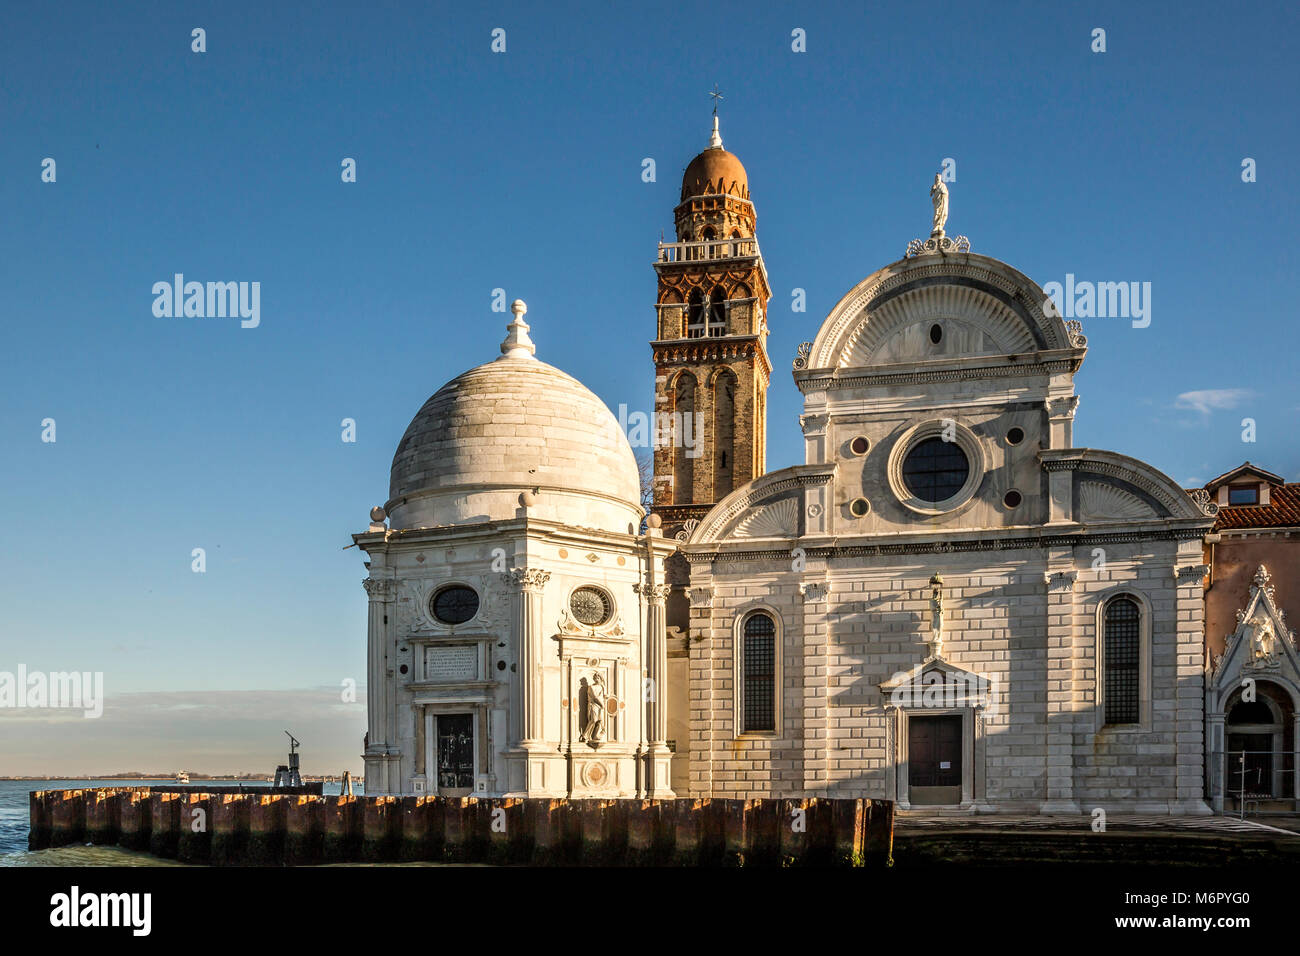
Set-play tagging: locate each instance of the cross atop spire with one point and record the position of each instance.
(715, 140)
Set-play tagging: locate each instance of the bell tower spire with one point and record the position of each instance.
(710, 352)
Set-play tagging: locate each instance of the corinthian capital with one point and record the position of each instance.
(528, 579)
(654, 593)
(377, 588)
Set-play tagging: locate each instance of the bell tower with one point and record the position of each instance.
(710, 353)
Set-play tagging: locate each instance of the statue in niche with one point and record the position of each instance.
(939, 196)
(593, 727)
(1263, 642)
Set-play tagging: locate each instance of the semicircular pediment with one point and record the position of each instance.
(973, 321)
(994, 308)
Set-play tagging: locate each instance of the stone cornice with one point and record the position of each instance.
(821, 379)
(710, 349)
(704, 552)
(443, 535)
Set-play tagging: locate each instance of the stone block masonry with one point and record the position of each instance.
(278, 829)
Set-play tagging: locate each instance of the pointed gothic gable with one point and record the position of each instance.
(1263, 646)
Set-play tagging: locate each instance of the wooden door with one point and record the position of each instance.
(934, 760)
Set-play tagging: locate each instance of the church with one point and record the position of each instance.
(946, 604)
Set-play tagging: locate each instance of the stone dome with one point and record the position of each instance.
(507, 427)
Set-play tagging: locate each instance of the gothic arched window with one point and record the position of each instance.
(683, 424)
(724, 434)
(758, 674)
(1123, 661)
(695, 315)
(718, 311)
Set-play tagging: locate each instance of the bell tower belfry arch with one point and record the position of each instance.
(711, 364)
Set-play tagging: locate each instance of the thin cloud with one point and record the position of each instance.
(1209, 400)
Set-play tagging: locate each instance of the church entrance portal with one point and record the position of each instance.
(934, 760)
(455, 735)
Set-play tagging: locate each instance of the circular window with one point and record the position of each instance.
(591, 606)
(936, 333)
(454, 604)
(859, 445)
(859, 507)
(936, 467)
(1015, 436)
(1012, 499)
(935, 470)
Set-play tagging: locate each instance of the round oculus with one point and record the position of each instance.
(859, 445)
(859, 507)
(1015, 436)
(454, 604)
(1012, 499)
(936, 333)
(935, 470)
(590, 606)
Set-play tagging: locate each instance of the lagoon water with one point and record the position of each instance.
(14, 816)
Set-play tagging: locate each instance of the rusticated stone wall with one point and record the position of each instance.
(295, 829)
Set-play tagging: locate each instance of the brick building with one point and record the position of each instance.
(1252, 701)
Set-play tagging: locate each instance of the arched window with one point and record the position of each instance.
(683, 423)
(718, 311)
(758, 674)
(724, 434)
(1122, 694)
(695, 315)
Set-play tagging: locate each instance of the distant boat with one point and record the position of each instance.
(182, 777)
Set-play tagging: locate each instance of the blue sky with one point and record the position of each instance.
(522, 171)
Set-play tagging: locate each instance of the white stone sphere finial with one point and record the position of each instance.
(517, 344)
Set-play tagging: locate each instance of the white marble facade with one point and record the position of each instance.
(516, 634)
(937, 619)
(951, 652)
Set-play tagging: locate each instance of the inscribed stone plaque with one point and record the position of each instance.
(458, 662)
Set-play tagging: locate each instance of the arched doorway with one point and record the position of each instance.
(1258, 737)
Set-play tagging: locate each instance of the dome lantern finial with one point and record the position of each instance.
(517, 344)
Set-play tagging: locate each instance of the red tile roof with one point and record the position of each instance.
(1282, 511)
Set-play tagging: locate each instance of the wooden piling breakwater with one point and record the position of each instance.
(297, 829)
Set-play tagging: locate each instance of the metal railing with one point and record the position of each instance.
(1250, 778)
